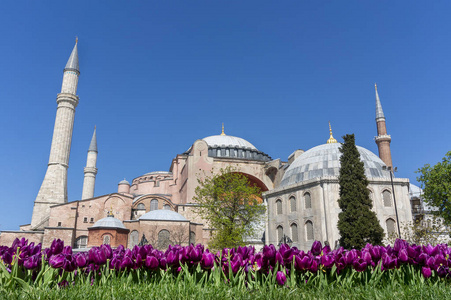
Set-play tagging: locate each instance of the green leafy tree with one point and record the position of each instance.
(231, 205)
(357, 223)
(436, 185)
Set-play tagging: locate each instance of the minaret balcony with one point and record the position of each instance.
(384, 137)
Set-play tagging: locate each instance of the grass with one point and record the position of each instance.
(169, 289)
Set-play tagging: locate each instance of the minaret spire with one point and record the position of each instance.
(382, 139)
(331, 139)
(90, 169)
(379, 111)
(54, 186)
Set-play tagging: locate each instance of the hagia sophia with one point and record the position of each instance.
(300, 193)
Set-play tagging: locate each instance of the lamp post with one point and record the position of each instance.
(394, 197)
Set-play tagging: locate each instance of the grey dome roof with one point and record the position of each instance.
(124, 182)
(324, 161)
(163, 215)
(109, 222)
(228, 140)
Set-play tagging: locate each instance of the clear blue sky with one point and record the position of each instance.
(157, 75)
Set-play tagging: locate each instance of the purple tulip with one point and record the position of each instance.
(317, 248)
(426, 272)
(281, 278)
(403, 256)
(360, 265)
(126, 263)
(152, 262)
(208, 260)
(80, 259)
(56, 261)
(443, 272)
(314, 266)
(269, 252)
(327, 261)
(56, 247)
(32, 262)
(8, 257)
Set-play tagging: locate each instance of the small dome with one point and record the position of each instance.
(228, 140)
(109, 222)
(163, 215)
(124, 182)
(324, 161)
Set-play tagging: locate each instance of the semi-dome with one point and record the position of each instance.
(163, 215)
(109, 222)
(324, 161)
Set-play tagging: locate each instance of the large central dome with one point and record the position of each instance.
(228, 140)
(324, 161)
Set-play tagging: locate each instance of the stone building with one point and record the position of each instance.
(157, 207)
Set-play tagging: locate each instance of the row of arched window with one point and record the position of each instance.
(153, 205)
(386, 197)
(308, 227)
(293, 203)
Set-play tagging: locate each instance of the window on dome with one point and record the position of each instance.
(307, 200)
(163, 239)
(294, 233)
(293, 204)
(154, 204)
(134, 239)
(386, 196)
(279, 234)
(309, 230)
(390, 226)
(106, 239)
(279, 206)
(81, 242)
(141, 206)
(167, 207)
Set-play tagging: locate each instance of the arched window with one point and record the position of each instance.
(167, 207)
(81, 242)
(279, 206)
(154, 204)
(134, 239)
(309, 230)
(279, 234)
(293, 203)
(192, 237)
(106, 239)
(390, 226)
(294, 233)
(163, 239)
(307, 200)
(386, 196)
(141, 206)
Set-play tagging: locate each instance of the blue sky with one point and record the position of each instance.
(157, 75)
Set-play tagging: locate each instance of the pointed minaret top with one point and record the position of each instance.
(331, 139)
(93, 145)
(379, 112)
(72, 63)
(222, 133)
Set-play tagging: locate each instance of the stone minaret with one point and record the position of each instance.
(382, 139)
(90, 169)
(54, 187)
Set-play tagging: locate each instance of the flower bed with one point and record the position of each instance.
(28, 265)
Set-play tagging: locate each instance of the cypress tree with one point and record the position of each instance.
(357, 223)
